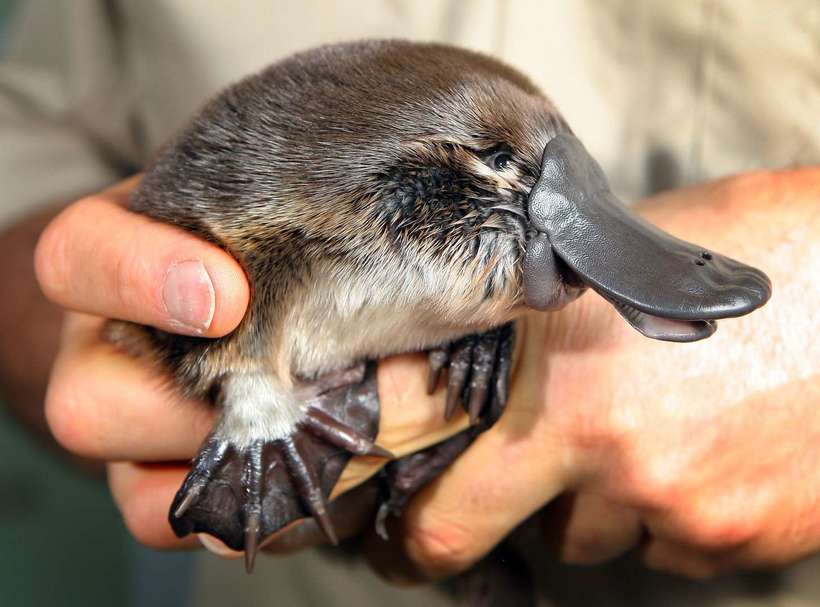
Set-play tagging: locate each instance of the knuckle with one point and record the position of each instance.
(712, 530)
(68, 418)
(654, 484)
(441, 548)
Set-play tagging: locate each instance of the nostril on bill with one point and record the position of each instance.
(706, 255)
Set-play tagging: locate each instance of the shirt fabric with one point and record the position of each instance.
(662, 93)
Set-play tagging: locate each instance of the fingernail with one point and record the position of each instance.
(188, 294)
(213, 545)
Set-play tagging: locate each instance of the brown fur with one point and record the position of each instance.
(338, 165)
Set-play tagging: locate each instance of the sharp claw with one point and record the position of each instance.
(459, 370)
(252, 531)
(478, 395)
(504, 366)
(321, 516)
(484, 360)
(253, 507)
(209, 463)
(189, 499)
(308, 487)
(502, 389)
(335, 432)
(378, 451)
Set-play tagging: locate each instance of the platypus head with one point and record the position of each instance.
(495, 174)
(440, 179)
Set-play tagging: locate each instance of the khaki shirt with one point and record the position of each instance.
(663, 93)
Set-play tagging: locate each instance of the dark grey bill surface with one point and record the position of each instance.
(665, 287)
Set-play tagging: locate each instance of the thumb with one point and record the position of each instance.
(99, 258)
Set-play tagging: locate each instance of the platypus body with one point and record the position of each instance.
(389, 197)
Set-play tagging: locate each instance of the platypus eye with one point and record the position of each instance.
(499, 161)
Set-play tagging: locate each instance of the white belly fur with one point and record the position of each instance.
(386, 311)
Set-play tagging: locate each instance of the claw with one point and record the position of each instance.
(484, 363)
(460, 360)
(381, 521)
(335, 432)
(308, 487)
(254, 485)
(477, 397)
(377, 451)
(501, 377)
(321, 516)
(253, 529)
(190, 497)
(207, 464)
(479, 367)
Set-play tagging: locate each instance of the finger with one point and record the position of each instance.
(506, 475)
(99, 258)
(680, 559)
(104, 404)
(586, 529)
(412, 419)
(143, 495)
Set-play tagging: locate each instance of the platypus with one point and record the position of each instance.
(388, 197)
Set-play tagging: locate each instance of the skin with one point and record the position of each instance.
(597, 412)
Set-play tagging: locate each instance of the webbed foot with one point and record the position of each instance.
(478, 368)
(241, 492)
(403, 478)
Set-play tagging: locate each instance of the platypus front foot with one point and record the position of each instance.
(244, 487)
(478, 368)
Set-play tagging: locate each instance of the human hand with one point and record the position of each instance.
(705, 454)
(99, 261)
